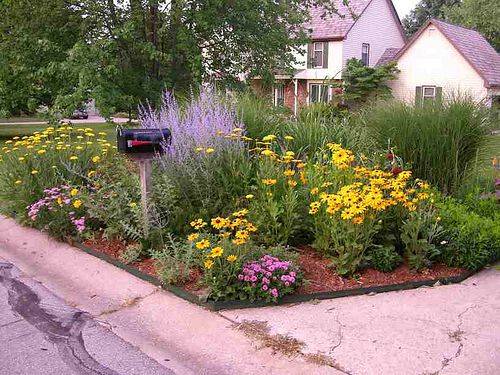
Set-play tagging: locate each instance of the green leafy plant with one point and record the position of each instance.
(420, 234)
(175, 262)
(132, 253)
(384, 258)
(471, 240)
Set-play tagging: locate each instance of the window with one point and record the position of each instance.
(318, 55)
(318, 93)
(365, 53)
(428, 94)
(279, 94)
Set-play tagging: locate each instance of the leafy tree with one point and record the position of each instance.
(34, 40)
(361, 82)
(123, 52)
(480, 15)
(425, 10)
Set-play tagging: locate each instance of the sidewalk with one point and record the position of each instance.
(442, 330)
(186, 338)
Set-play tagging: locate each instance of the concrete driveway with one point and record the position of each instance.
(441, 330)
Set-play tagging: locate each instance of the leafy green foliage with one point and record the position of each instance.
(480, 15)
(362, 82)
(425, 10)
(132, 253)
(175, 261)
(384, 257)
(473, 241)
(34, 43)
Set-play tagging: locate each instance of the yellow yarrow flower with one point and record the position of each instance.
(249, 196)
(209, 150)
(96, 159)
(34, 171)
(77, 203)
(73, 192)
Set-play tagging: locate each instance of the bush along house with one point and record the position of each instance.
(364, 30)
(442, 60)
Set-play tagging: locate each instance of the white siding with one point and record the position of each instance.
(433, 61)
(376, 26)
(334, 64)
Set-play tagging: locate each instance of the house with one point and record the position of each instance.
(365, 30)
(443, 59)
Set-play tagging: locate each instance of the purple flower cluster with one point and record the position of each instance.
(201, 123)
(56, 199)
(269, 276)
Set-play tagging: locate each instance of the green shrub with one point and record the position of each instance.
(384, 258)
(176, 260)
(132, 253)
(473, 241)
(442, 141)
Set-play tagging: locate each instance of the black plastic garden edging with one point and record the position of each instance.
(232, 305)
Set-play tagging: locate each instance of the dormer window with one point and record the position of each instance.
(365, 53)
(317, 55)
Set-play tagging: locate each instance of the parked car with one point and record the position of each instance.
(80, 113)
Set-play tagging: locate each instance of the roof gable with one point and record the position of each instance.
(473, 47)
(334, 26)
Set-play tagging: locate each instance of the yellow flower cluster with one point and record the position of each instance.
(234, 230)
(64, 143)
(370, 190)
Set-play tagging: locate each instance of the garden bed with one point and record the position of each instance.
(322, 281)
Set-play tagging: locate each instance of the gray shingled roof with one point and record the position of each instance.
(334, 26)
(388, 56)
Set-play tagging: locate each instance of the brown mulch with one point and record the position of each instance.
(114, 248)
(318, 271)
(321, 276)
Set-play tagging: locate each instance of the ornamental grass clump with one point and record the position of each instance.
(56, 156)
(269, 278)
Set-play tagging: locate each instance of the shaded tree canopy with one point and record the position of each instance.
(60, 53)
(425, 10)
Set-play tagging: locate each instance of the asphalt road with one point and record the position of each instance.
(41, 335)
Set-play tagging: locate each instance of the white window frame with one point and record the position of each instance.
(321, 87)
(367, 53)
(318, 47)
(279, 88)
(429, 97)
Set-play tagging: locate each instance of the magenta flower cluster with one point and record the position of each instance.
(55, 200)
(269, 277)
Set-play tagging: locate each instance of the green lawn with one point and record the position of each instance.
(9, 131)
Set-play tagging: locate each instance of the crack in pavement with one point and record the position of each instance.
(65, 332)
(455, 336)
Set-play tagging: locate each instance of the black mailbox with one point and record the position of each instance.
(143, 141)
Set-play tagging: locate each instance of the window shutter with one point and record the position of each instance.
(310, 56)
(439, 95)
(418, 96)
(325, 55)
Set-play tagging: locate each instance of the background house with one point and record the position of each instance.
(364, 30)
(442, 59)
